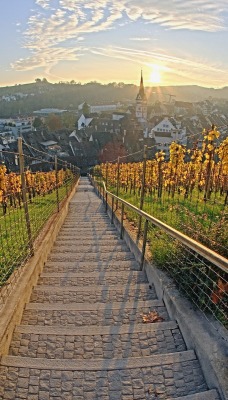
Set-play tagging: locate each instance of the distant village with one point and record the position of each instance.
(101, 133)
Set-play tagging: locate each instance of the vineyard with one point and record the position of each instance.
(37, 184)
(28, 199)
(188, 192)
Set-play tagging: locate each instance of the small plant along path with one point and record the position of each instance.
(93, 328)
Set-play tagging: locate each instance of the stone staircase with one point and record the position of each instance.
(82, 336)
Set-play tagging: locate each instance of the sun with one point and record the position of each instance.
(155, 76)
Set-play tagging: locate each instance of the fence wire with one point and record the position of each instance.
(25, 209)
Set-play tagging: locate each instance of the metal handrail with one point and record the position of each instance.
(210, 255)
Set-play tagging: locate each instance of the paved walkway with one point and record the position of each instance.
(82, 336)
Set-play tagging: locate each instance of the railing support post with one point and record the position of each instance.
(106, 201)
(122, 218)
(142, 189)
(24, 197)
(112, 210)
(144, 244)
(118, 181)
(66, 178)
(56, 181)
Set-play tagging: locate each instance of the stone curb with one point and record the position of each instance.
(209, 395)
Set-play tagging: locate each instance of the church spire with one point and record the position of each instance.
(141, 102)
(141, 95)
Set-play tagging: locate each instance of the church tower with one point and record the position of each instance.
(141, 103)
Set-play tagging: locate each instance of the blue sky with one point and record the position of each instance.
(174, 41)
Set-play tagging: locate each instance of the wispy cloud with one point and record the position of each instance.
(189, 69)
(140, 39)
(54, 23)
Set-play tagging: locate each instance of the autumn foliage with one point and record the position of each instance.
(38, 183)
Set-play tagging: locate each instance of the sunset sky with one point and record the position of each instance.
(174, 41)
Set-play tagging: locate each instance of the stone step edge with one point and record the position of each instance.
(95, 330)
(101, 241)
(115, 242)
(209, 395)
(91, 288)
(84, 228)
(97, 274)
(99, 364)
(94, 306)
(99, 263)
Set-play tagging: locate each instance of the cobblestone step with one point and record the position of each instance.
(89, 314)
(91, 266)
(92, 294)
(95, 248)
(68, 343)
(83, 279)
(92, 256)
(153, 377)
(88, 225)
(88, 241)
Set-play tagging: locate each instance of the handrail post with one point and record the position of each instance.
(66, 178)
(56, 181)
(106, 201)
(112, 210)
(144, 244)
(142, 189)
(24, 197)
(106, 176)
(118, 181)
(122, 218)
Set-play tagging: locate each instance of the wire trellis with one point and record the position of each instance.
(27, 201)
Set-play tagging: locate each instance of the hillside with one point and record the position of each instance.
(70, 95)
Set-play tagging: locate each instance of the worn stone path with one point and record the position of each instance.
(82, 337)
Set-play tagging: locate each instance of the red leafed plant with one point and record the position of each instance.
(219, 293)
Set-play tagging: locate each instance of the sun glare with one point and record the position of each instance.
(155, 76)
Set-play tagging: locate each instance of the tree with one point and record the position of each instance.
(85, 109)
(111, 151)
(68, 120)
(54, 122)
(37, 123)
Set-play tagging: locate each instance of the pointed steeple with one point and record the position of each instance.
(141, 95)
(141, 102)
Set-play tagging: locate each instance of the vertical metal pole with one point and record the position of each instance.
(24, 197)
(118, 180)
(72, 180)
(103, 195)
(106, 202)
(56, 182)
(122, 218)
(112, 210)
(66, 178)
(106, 176)
(144, 244)
(106, 185)
(142, 189)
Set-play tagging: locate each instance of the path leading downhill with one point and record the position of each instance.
(82, 336)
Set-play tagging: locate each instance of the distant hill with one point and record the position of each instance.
(70, 95)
